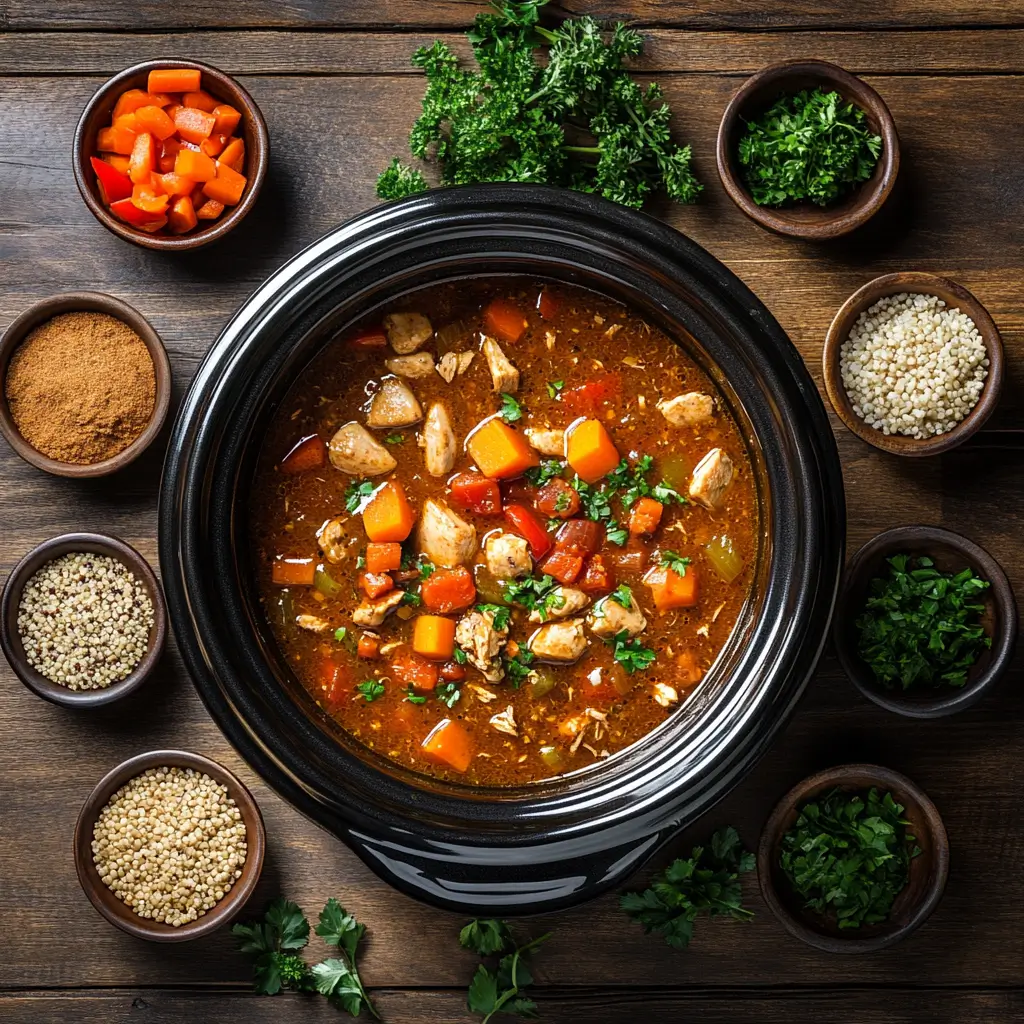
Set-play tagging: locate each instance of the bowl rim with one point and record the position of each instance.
(10, 640)
(913, 282)
(851, 776)
(869, 198)
(945, 702)
(117, 913)
(85, 302)
(257, 157)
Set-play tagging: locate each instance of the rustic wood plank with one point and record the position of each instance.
(274, 52)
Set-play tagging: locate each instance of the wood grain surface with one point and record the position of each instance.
(339, 104)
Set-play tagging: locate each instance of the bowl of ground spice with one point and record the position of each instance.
(169, 846)
(82, 620)
(86, 384)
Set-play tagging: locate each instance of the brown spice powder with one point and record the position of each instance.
(81, 387)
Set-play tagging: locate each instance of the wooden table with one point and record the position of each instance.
(334, 82)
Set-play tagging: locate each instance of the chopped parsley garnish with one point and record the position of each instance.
(631, 484)
(394, 439)
(510, 410)
(677, 563)
(408, 597)
(340, 633)
(562, 501)
(357, 492)
(554, 386)
(448, 694)
(370, 690)
(667, 494)
(534, 594)
(623, 595)
(413, 697)
(617, 534)
(499, 614)
(595, 504)
(361, 562)
(425, 568)
(518, 668)
(547, 470)
(459, 656)
(630, 654)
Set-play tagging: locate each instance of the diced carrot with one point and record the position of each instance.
(309, 453)
(172, 110)
(387, 516)
(143, 159)
(449, 743)
(116, 185)
(504, 320)
(115, 140)
(182, 217)
(645, 516)
(174, 80)
(155, 121)
(117, 161)
(197, 166)
(163, 99)
(193, 125)
(214, 145)
(368, 646)
(335, 684)
(375, 584)
(233, 154)
(175, 184)
(228, 118)
(130, 101)
(411, 669)
(293, 572)
(448, 590)
(563, 565)
(499, 451)
(227, 187)
(669, 590)
(590, 451)
(210, 210)
(383, 557)
(145, 197)
(475, 493)
(547, 304)
(527, 525)
(126, 210)
(433, 636)
(129, 122)
(200, 100)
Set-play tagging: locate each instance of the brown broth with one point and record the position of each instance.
(288, 511)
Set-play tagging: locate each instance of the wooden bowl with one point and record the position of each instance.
(80, 302)
(913, 906)
(954, 295)
(951, 553)
(806, 220)
(10, 638)
(97, 115)
(120, 914)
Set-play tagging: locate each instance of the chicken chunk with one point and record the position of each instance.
(711, 476)
(444, 537)
(547, 442)
(335, 541)
(563, 601)
(312, 623)
(609, 618)
(354, 450)
(476, 635)
(407, 332)
(394, 405)
(453, 364)
(505, 721)
(438, 440)
(504, 375)
(687, 410)
(559, 641)
(508, 556)
(373, 613)
(421, 364)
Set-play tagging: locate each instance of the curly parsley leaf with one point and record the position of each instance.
(707, 882)
(547, 470)
(284, 927)
(510, 410)
(398, 181)
(370, 690)
(357, 492)
(630, 653)
(677, 563)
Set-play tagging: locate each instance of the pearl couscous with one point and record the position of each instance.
(913, 366)
(170, 844)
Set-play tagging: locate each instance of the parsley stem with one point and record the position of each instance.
(581, 149)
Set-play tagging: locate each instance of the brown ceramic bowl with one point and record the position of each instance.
(806, 220)
(121, 915)
(951, 553)
(78, 302)
(954, 295)
(10, 639)
(97, 115)
(927, 872)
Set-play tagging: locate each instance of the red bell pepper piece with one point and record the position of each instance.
(476, 493)
(115, 184)
(527, 525)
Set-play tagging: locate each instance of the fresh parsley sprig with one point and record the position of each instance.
(547, 470)
(677, 563)
(338, 978)
(630, 653)
(511, 409)
(502, 988)
(357, 492)
(534, 594)
(370, 690)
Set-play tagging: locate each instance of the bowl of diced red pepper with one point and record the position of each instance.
(170, 154)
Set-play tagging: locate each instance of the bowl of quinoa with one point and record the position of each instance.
(913, 363)
(82, 620)
(169, 845)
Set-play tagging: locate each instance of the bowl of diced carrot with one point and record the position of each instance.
(170, 154)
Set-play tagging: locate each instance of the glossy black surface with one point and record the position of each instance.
(559, 842)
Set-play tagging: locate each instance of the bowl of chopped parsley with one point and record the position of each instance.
(808, 150)
(853, 859)
(926, 621)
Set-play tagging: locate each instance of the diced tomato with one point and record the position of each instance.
(368, 646)
(309, 453)
(409, 669)
(373, 337)
(448, 590)
(597, 577)
(527, 525)
(293, 572)
(586, 399)
(475, 493)
(449, 743)
(334, 682)
(453, 672)
(375, 584)
(580, 537)
(557, 498)
(564, 566)
(505, 320)
(547, 304)
(645, 516)
(385, 556)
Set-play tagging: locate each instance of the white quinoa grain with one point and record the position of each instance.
(84, 621)
(912, 366)
(170, 844)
